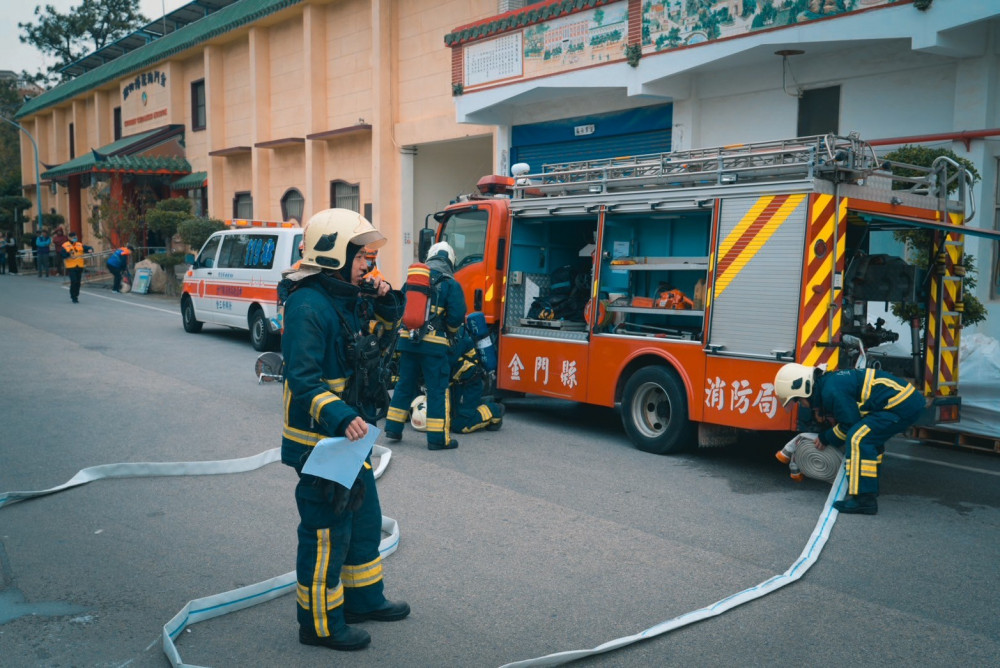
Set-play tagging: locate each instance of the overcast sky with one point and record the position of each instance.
(17, 56)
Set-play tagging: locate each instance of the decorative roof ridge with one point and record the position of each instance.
(217, 23)
(519, 18)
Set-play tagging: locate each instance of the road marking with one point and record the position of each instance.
(940, 463)
(126, 301)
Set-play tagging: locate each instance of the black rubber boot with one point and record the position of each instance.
(345, 640)
(857, 504)
(497, 420)
(451, 445)
(393, 435)
(390, 612)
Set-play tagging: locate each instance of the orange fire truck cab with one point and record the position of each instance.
(675, 285)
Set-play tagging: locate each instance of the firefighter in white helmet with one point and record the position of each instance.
(332, 351)
(423, 353)
(868, 407)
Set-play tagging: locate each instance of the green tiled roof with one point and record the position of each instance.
(196, 180)
(95, 162)
(191, 35)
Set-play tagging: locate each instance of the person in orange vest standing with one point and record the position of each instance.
(72, 253)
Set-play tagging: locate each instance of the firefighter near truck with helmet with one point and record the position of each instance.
(331, 389)
(867, 406)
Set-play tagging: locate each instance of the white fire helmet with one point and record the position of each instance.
(327, 234)
(418, 413)
(794, 381)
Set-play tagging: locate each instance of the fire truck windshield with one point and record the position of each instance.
(466, 232)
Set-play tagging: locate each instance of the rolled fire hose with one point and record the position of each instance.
(803, 457)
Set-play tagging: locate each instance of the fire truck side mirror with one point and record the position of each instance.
(424, 242)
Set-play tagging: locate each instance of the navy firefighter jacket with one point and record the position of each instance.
(317, 367)
(850, 394)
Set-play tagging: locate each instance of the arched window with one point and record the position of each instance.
(292, 205)
(344, 195)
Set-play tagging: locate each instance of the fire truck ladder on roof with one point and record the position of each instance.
(829, 156)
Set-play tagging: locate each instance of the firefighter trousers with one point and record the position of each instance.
(469, 412)
(865, 443)
(338, 564)
(435, 371)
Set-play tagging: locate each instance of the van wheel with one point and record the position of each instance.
(191, 324)
(261, 337)
(655, 412)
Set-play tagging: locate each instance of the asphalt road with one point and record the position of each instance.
(552, 534)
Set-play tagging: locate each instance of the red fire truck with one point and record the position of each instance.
(675, 285)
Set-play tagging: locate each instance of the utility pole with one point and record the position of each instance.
(38, 179)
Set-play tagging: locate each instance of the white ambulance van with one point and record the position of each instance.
(234, 279)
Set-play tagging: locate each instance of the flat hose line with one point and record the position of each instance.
(216, 605)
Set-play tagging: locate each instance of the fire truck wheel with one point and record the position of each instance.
(191, 324)
(261, 337)
(655, 412)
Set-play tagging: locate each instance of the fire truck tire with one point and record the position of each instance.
(191, 324)
(655, 413)
(261, 337)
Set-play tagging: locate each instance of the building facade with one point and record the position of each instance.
(567, 80)
(268, 110)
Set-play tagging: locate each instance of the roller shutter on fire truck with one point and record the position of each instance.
(756, 275)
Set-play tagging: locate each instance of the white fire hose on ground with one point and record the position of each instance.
(216, 605)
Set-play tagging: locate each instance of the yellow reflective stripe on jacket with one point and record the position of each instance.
(320, 401)
(337, 385)
(902, 392)
(301, 436)
(866, 387)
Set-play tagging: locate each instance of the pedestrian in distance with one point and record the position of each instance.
(424, 353)
(73, 252)
(10, 250)
(867, 406)
(58, 239)
(334, 334)
(43, 245)
(118, 266)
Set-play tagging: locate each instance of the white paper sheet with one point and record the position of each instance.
(339, 459)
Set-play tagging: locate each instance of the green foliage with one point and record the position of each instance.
(922, 156)
(196, 231)
(83, 29)
(167, 260)
(12, 208)
(167, 215)
(10, 140)
(116, 222)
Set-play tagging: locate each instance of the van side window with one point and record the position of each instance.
(206, 258)
(248, 251)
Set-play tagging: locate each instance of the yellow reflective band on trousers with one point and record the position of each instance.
(853, 463)
(334, 597)
(362, 575)
(484, 412)
(318, 590)
(398, 415)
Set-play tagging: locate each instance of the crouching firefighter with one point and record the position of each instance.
(327, 348)
(424, 349)
(868, 407)
(469, 410)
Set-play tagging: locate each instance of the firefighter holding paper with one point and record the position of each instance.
(868, 406)
(328, 347)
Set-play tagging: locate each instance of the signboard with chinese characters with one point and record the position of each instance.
(145, 99)
(493, 60)
(740, 393)
(550, 368)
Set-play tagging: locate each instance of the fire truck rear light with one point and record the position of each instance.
(948, 413)
(495, 185)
